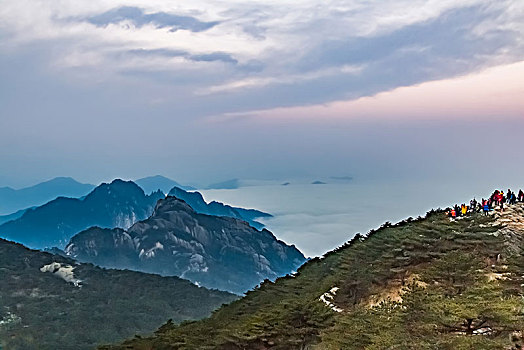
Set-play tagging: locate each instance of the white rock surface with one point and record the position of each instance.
(63, 271)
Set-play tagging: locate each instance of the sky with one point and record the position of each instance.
(204, 91)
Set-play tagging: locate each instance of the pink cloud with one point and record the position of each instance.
(493, 93)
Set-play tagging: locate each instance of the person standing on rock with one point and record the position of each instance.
(473, 205)
(486, 208)
(494, 199)
(521, 196)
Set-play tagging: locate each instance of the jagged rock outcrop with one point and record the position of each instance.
(118, 204)
(197, 202)
(216, 252)
(158, 182)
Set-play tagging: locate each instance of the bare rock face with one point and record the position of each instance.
(212, 251)
(197, 202)
(111, 247)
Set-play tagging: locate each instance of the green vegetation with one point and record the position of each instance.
(40, 310)
(428, 283)
(457, 308)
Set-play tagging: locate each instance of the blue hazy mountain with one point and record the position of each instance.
(158, 182)
(197, 202)
(12, 200)
(14, 216)
(118, 204)
(212, 251)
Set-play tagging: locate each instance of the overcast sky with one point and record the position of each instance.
(203, 91)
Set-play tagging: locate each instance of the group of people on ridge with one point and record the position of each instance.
(498, 198)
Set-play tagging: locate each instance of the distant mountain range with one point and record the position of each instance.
(12, 200)
(216, 252)
(159, 182)
(50, 302)
(13, 216)
(213, 244)
(197, 202)
(118, 204)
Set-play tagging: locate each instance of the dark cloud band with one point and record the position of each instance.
(160, 19)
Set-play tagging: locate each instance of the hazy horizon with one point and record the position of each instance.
(317, 218)
(429, 150)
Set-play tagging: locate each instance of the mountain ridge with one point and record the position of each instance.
(119, 203)
(12, 200)
(158, 182)
(13, 216)
(197, 202)
(425, 283)
(214, 251)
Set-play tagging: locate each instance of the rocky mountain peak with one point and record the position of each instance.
(116, 204)
(217, 252)
(117, 188)
(197, 202)
(172, 204)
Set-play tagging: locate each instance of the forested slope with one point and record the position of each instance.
(51, 302)
(428, 283)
